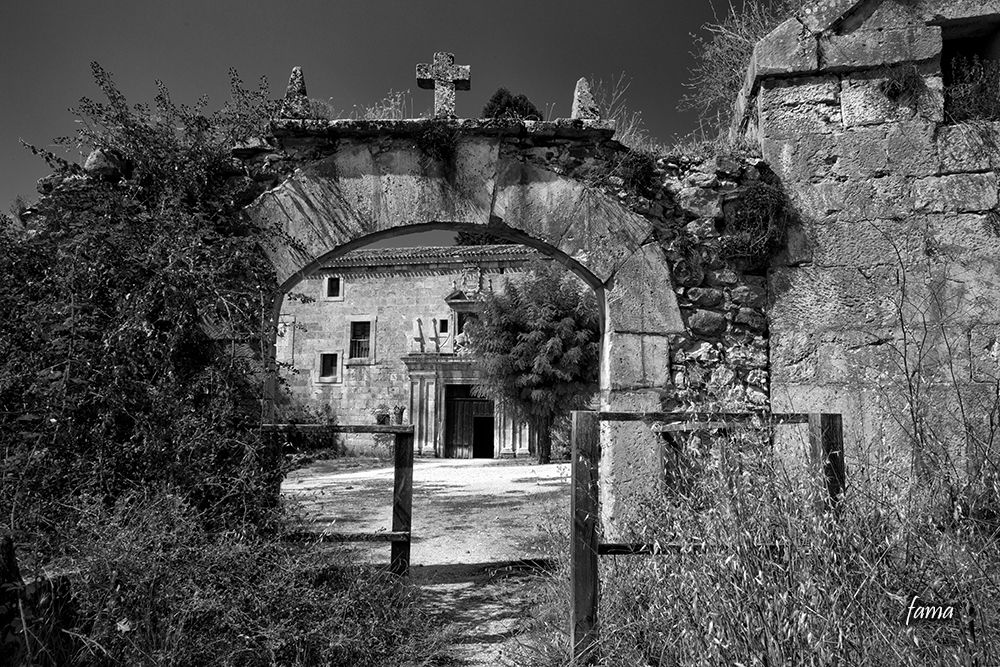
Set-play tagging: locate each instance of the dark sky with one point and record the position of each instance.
(351, 53)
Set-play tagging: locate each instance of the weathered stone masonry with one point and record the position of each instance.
(897, 253)
(567, 189)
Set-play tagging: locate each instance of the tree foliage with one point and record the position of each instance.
(131, 356)
(476, 237)
(538, 342)
(504, 104)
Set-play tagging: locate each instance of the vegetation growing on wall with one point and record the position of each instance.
(437, 142)
(721, 57)
(756, 224)
(973, 89)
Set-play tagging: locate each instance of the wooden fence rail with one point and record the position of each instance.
(826, 444)
(402, 491)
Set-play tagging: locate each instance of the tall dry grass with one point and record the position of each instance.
(756, 569)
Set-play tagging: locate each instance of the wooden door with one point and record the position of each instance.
(462, 411)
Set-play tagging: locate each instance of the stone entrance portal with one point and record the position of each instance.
(448, 421)
(550, 185)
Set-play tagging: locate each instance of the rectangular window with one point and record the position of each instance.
(328, 367)
(443, 325)
(361, 340)
(334, 289)
(970, 63)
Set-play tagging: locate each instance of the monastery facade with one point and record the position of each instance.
(384, 328)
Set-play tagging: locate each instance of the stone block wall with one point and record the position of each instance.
(895, 276)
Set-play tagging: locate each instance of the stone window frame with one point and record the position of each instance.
(984, 43)
(318, 367)
(326, 288)
(372, 338)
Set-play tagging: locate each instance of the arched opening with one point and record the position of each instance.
(368, 331)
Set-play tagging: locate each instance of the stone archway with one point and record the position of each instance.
(357, 182)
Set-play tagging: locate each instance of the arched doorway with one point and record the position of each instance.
(358, 182)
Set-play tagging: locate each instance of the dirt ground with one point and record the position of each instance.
(478, 526)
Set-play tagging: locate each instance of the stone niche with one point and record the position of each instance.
(897, 190)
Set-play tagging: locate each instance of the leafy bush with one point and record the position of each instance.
(504, 104)
(135, 355)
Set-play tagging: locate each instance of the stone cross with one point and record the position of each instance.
(445, 77)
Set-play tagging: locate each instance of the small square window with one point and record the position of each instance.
(328, 367)
(333, 288)
(361, 339)
(443, 325)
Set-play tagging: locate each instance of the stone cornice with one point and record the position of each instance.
(562, 128)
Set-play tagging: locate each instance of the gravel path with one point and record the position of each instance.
(475, 522)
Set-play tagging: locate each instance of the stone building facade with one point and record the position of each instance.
(383, 328)
(886, 307)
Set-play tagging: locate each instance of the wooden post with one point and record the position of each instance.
(402, 502)
(583, 557)
(826, 442)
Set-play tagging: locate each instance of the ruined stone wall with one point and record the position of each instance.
(720, 361)
(885, 307)
(684, 325)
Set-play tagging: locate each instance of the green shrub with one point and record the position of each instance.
(504, 104)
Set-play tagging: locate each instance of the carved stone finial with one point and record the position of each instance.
(296, 84)
(296, 102)
(445, 77)
(584, 106)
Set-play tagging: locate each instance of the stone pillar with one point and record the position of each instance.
(503, 434)
(641, 315)
(423, 387)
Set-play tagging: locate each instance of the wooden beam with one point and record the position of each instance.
(583, 556)
(402, 502)
(826, 443)
(780, 418)
(385, 536)
(339, 428)
(691, 426)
